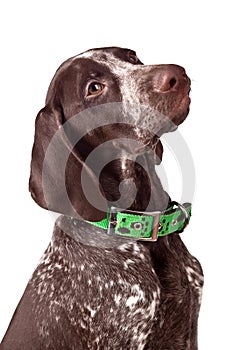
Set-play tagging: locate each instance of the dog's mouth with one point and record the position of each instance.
(174, 116)
(168, 123)
(145, 125)
(184, 106)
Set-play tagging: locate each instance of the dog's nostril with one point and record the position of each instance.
(169, 78)
(165, 82)
(172, 82)
(168, 84)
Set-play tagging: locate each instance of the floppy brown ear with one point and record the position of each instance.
(56, 172)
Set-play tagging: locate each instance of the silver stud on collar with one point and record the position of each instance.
(137, 226)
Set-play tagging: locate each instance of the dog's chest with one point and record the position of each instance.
(181, 282)
(110, 298)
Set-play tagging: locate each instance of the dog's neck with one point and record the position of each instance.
(124, 181)
(134, 185)
(128, 184)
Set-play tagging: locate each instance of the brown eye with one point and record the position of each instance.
(133, 57)
(95, 89)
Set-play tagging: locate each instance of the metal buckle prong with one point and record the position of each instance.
(155, 229)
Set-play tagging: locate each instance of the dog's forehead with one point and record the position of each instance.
(98, 56)
(110, 56)
(107, 52)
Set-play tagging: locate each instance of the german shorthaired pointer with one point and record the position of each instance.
(99, 288)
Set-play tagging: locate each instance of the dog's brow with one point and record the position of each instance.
(106, 58)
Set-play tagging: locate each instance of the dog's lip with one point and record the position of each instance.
(172, 119)
(185, 104)
(183, 107)
(186, 101)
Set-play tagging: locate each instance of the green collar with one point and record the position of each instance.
(147, 226)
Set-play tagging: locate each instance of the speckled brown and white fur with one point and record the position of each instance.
(92, 291)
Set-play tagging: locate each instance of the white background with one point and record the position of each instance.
(203, 37)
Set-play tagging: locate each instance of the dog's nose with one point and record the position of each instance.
(170, 78)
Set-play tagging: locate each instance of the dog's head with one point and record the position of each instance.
(103, 96)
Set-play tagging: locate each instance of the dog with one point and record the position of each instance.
(102, 284)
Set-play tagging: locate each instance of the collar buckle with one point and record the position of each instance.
(142, 226)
